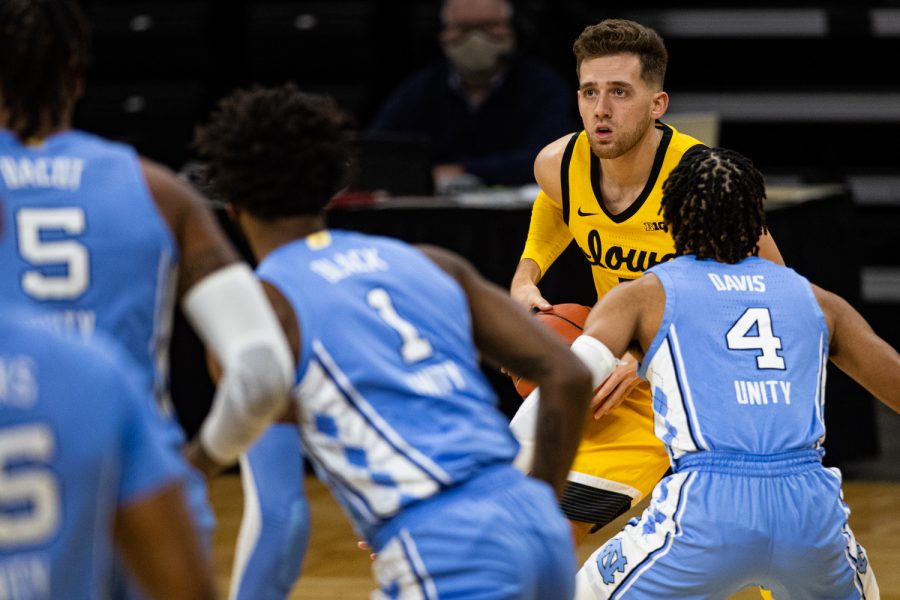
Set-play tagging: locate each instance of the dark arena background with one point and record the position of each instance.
(810, 91)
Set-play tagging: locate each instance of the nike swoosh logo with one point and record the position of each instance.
(584, 214)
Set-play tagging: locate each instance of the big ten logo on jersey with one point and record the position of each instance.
(18, 384)
(615, 257)
(655, 226)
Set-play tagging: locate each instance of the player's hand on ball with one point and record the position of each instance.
(619, 384)
(529, 296)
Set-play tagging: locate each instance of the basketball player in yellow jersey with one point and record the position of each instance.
(602, 188)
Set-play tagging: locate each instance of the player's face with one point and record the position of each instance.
(617, 107)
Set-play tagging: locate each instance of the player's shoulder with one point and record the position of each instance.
(159, 175)
(173, 195)
(554, 152)
(449, 261)
(548, 164)
(93, 146)
(681, 144)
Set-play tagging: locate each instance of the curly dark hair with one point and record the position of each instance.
(45, 48)
(713, 205)
(277, 151)
(619, 36)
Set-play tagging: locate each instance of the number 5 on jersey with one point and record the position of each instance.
(31, 484)
(35, 227)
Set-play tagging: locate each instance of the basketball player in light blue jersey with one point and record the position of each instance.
(735, 349)
(62, 492)
(394, 412)
(274, 531)
(100, 239)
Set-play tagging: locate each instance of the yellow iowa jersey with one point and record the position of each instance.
(619, 247)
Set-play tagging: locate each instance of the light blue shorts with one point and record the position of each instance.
(723, 522)
(498, 536)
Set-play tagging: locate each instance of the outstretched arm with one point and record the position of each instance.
(507, 335)
(228, 309)
(859, 352)
(548, 235)
(629, 312)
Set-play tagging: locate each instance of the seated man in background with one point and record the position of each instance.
(486, 110)
(394, 411)
(81, 454)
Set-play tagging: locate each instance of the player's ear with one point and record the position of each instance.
(660, 105)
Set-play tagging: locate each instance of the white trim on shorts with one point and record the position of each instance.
(606, 484)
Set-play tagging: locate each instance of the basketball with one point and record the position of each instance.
(567, 321)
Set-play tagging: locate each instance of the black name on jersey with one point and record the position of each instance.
(617, 257)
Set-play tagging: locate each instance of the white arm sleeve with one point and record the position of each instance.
(596, 357)
(230, 312)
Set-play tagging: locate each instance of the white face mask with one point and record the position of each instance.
(478, 52)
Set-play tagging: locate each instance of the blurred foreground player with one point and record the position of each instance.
(735, 351)
(103, 240)
(394, 412)
(80, 456)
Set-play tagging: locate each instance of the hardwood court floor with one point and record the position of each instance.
(335, 570)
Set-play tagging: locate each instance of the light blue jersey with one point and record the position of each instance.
(398, 419)
(60, 487)
(737, 370)
(394, 404)
(738, 363)
(84, 242)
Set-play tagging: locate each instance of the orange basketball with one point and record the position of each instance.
(567, 321)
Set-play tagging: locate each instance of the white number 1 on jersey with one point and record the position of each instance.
(415, 347)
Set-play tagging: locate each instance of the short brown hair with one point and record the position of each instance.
(620, 36)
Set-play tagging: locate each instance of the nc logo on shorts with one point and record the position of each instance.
(611, 561)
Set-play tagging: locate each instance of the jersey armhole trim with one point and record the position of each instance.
(564, 175)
